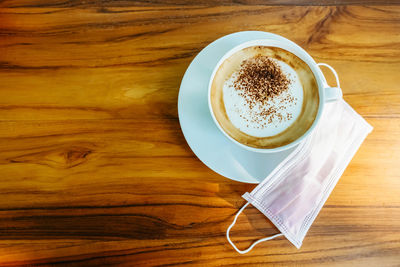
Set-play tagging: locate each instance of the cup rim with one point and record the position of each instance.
(303, 55)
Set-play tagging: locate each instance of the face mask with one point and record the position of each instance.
(294, 193)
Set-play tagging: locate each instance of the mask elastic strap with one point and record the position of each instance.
(252, 245)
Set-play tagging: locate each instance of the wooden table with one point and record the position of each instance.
(94, 168)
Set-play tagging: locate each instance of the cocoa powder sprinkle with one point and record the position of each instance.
(259, 80)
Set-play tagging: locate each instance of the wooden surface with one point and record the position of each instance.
(94, 168)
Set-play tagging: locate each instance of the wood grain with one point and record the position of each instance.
(157, 3)
(95, 170)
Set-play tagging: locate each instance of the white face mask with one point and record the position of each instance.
(294, 193)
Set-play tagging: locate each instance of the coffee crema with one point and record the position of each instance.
(264, 97)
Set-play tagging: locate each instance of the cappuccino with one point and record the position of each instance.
(264, 97)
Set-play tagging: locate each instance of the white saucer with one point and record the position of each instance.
(204, 138)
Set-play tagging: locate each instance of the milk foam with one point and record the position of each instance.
(242, 116)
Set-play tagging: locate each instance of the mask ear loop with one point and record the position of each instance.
(252, 245)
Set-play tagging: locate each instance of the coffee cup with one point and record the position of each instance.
(270, 133)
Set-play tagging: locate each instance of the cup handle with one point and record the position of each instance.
(332, 93)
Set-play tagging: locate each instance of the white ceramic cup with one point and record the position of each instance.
(326, 92)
